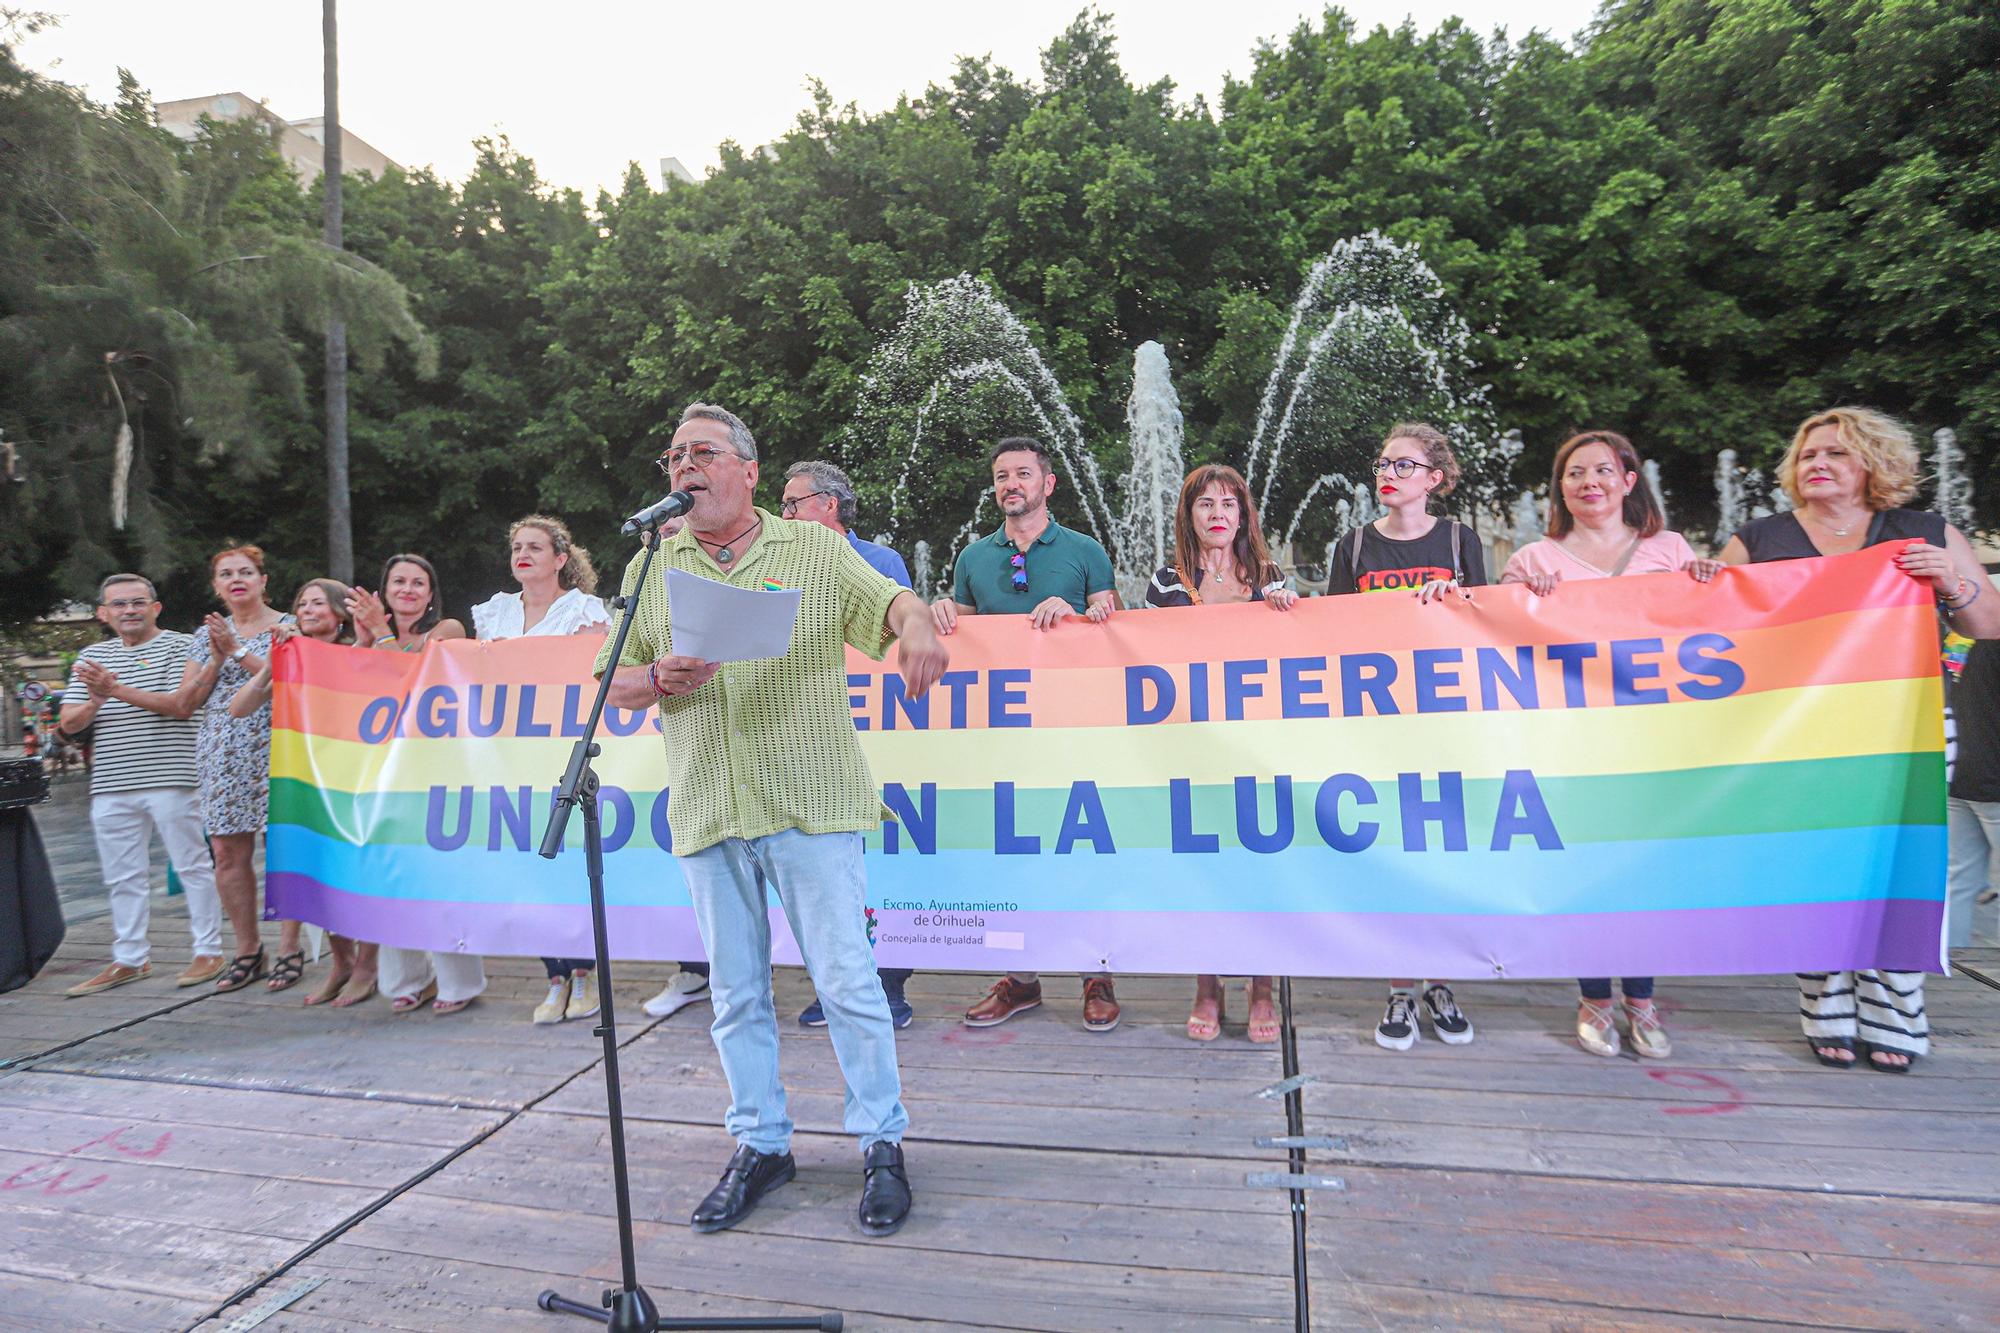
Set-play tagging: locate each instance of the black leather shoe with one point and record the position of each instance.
(885, 1189)
(749, 1176)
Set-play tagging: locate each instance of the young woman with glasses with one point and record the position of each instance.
(1410, 550)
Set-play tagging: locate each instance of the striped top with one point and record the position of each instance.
(131, 748)
(768, 745)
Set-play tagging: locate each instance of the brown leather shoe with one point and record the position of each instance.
(1100, 1005)
(202, 967)
(116, 974)
(1007, 998)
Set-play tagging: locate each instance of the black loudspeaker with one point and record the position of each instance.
(31, 923)
(22, 782)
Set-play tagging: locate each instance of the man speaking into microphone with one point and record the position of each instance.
(768, 786)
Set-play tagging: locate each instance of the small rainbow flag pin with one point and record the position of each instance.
(773, 587)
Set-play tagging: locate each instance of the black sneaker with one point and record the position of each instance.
(1398, 1029)
(1453, 1028)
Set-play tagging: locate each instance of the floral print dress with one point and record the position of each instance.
(232, 755)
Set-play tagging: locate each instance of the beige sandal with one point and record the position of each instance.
(330, 988)
(408, 1004)
(1206, 1029)
(1263, 1030)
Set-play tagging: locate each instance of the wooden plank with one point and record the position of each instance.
(852, 1274)
(1919, 1232)
(186, 1263)
(38, 1304)
(1652, 1276)
(378, 1289)
(242, 1109)
(1020, 1203)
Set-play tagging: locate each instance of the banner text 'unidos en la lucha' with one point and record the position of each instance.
(1631, 777)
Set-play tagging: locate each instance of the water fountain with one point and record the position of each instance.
(1650, 471)
(1370, 342)
(1953, 496)
(1143, 538)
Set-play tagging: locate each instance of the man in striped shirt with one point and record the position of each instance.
(142, 778)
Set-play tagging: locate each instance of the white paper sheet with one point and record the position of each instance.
(718, 623)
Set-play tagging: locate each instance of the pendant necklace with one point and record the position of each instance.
(723, 555)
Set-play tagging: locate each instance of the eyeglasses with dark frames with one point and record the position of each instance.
(790, 507)
(1402, 467)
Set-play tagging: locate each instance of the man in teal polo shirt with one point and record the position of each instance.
(1033, 566)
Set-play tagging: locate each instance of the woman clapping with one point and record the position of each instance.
(405, 617)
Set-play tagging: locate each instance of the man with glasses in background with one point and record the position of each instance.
(816, 491)
(142, 781)
(1034, 566)
(769, 789)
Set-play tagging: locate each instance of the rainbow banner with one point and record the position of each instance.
(1634, 776)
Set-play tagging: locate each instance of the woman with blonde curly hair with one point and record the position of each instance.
(1850, 470)
(557, 596)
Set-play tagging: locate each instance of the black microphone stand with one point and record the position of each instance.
(628, 1309)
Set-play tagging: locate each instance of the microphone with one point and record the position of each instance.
(676, 504)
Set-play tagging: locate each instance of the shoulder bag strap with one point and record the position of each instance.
(1631, 548)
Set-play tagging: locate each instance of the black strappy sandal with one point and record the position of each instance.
(243, 969)
(287, 972)
(1869, 1052)
(1817, 1044)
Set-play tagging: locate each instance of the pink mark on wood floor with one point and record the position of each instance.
(52, 1178)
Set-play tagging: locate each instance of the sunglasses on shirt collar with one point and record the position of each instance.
(1020, 575)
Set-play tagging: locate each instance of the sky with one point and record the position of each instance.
(617, 82)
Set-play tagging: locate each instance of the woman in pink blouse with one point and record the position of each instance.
(1604, 522)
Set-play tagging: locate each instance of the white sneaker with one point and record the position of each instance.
(684, 989)
(552, 1009)
(1398, 1029)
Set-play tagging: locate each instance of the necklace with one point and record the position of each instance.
(1838, 532)
(723, 555)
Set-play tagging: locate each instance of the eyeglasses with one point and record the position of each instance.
(1402, 467)
(701, 455)
(790, 507)
(1020, 576)
(129, 604)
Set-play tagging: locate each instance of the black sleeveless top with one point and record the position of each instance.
(1783, 537)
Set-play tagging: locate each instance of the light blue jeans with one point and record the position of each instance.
(823, 888)
(1975, 841)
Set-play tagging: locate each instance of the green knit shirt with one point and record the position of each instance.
(768, 745)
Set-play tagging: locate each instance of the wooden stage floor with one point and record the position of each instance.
(167, 1157)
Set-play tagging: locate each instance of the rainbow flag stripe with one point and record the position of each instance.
(1626, 778)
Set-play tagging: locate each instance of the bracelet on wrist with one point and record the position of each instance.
(653, 679)
(1952, 605)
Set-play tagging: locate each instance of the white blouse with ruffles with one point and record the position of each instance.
(502, 615)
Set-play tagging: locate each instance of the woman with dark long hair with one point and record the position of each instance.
(1220, 557)
(320, 609)
(405, 617)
